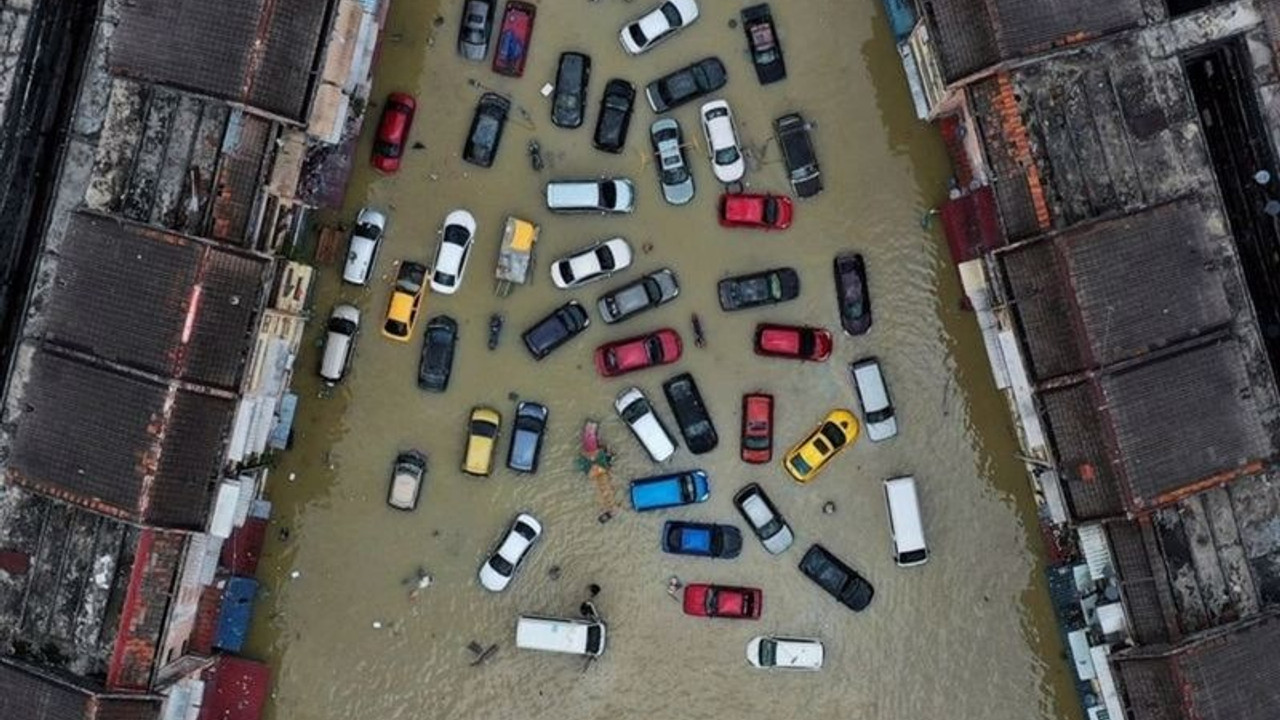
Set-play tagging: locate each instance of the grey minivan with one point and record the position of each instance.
(656, 288)
(526, 440)
(609, 195)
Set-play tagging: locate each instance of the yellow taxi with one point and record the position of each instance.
(836, 432)
(406, 296)
(482, 438)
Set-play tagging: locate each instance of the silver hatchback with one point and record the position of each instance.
(673, 171)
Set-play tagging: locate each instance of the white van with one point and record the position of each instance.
(905, 525)
(873, 394)
(576, 637)
(610, 195)
(339, 342)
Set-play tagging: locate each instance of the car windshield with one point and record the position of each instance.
(396, 328)
(768, 652)
(820, 446)
(501, 566)
(800, 465)
(652, 290)
(688, 490)
(593, 638)
(386, 149)
(635, 411)
(755, 442)
(367, 230)
(566, 271)
(855, 308)
(608, 194)
(456, 235)
(444, 278)
(709, 602)
(806, 343)
(833, 433)
(342, 326)
(605, 255)
(653, 348)
(637, 35)
(524, 531)
(672, 15)
(770, 210)
(674, 171)
(880, 416)
(483, 429)
(474, 33)
(727, 156)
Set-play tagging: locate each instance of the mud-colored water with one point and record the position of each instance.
(967, 636)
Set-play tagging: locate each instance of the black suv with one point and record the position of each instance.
(691, 414)
(688, 83)
(568, 106)
(486, 130)
(832, 575)
(436, 365)
(797, 151)
(562, 325)
(615, 116)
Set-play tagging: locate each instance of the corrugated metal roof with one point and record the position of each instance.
(27, 693)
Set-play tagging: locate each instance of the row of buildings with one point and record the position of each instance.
(156, 341)
(1113, 219)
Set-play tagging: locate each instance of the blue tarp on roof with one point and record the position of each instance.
(236, 614)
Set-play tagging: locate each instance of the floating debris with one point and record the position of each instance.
(828, 508)
(295, 574)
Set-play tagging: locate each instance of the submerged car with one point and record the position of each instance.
(666, 491)
(796, 342)
(701, 539)
(757, 428)
(486, 130)
(436, 365)
(753, 210)
(406, 480)
(657, 25)
(614, 119)
(456, 238)
(594, 262)
(568, 102)
(837, 578)
(797, 152)
(691, 414)
(638, 413)
(851, 293)
(362, 250)
(673, 170)
(526, 437)
(406, 297)
(722, 142)
(497, 571)
(393, 131)
(873, 396)
(513, 38)
(482, 438)
(660, 347)
(766, 287)
(656, 288)
(686, 84)
(763, 519)
(809, 456)
(723, 601)
(339, 343)
(608, 195)
(562, 325)
(762, 41)
(475, 29)
(783, 653)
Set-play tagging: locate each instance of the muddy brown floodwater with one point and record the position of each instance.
(969, 635)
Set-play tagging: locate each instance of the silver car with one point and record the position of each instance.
(477, 26)
(673, 171)
(650, 291)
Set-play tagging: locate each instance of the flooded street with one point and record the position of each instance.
(969, 635)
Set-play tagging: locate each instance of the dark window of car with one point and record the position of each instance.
(483, 429)
(608, 194)
(833, 433)
(524, 531)
(755, 441)
(672, 15)
(501, 566)
(653, 348)
(880, 415)
(636, 410)
(593, 639)
(652, 290)
(768, 652)
(637, 35)
(605, 256)
(456, 235)
(709, 603)
(821, 446)
(688, 489)
(771, 210)
(397, 328)
(386, 149)
(566, 271)
(367, 230)
(445, 278)
(727, 156)
(342, 326)
(800, 465)
(807, 343)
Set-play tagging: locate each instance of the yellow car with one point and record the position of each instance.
(482, 438)
(406, 296)
(837, 432)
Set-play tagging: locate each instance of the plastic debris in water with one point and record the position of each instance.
(377, 625)
(295, 574)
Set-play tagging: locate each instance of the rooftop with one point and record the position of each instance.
(28, 693)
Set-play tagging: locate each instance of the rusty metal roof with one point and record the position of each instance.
(261, 53)
(28, 693)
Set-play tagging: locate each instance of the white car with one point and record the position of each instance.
(592, 263)
(497, 571)
(637, 412)
(456, 237)
(657, 25)
(785, 653)
(722, 141)
(366, 236)
(764, 519)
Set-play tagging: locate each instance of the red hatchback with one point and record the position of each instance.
(513, 39)
(797, 342)
(770, 212)
(757, 428)
(724, 601)
(660, 347)
(393, 131)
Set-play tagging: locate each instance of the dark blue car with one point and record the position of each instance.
(664, 491)
(701, 539)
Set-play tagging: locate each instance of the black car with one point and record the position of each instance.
(688, 83)
(797, 152)
(475, 29)
(762, 41)
(656, 288)
(486, 130)
(763, 288)
(691, 414)
(568, 105)
(851, 293)
(832, 575)
(615, 116)
(436, 364)
(526, 440)
(562, 325)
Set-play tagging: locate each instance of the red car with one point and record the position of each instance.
(637, 353)
(393, 131)
(793, 341)
(770, 212)
(723, 601)
(513, 39)
(757, 428)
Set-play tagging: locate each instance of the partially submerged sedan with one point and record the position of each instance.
(656, 288)
(526, 437)
(568, 103)
(851, 293)
(723, 601)
(722, 142)
(393, 131)
(486, 130)
(614, 120)
(362, 250)
(673, 170)
(691, 414)
(762, 41)
(496, 572)
(755, 210)
(435, 367)
(783, 653)
(406, 480)
(589, 264)
(836, 432)
(686, 84)
(559, 327)
(701, 539)
(766, 287)
(660, 347)
(456, 238)
(638, 413)
(796, 342)
(833, 575)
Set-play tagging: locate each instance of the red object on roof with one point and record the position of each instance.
(972, 225)
(14, 562)
(235, 689)
(241, 551)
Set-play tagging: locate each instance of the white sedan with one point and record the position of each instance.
(456, 237)
(722, 142)
(363, 248)
(657, 25)
(785, 653)
(589, 264)
(497, 571)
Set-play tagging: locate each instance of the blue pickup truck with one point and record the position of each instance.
(663, 491)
